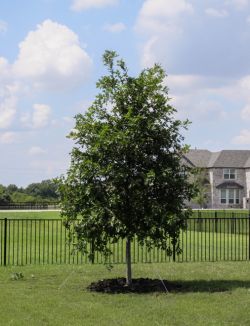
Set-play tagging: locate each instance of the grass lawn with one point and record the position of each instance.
(30, 215)
(215, 294)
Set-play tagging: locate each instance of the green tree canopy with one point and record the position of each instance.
(126, 177)
(47, 189)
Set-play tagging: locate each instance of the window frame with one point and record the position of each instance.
(229, 196)
(230, 173)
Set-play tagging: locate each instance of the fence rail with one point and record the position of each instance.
(30, 205)
(44, 241)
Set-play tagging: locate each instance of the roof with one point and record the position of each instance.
(230, 184)
(223, 159)
(198, 157)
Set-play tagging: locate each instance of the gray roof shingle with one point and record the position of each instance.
(199, 157)
(222, 159)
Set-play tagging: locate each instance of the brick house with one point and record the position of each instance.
(228, 175)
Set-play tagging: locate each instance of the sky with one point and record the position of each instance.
(51, 58)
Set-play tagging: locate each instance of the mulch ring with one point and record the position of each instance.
(139, 285)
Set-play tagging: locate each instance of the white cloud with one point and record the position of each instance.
(80, 5)
(243, 138)
(115, 28)
(159, 16)
(245, 82)
(36, 150)
(51, 57)
(245, 113)
(40, 116)
(7, 111)
(3, 27)
(184, 83)
(8, 137)
(216, 13)
(165, 8)
(161, 22)
(238, 4)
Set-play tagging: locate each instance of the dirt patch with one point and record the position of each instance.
(139, 285)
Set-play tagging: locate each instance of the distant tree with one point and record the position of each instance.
(11, 188)
(126, 178)
(4, 196)
(20, 197)
(47, 189)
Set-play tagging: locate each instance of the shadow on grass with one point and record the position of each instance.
(212, 285)
(145, 285)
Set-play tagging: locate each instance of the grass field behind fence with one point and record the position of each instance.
(36, 241)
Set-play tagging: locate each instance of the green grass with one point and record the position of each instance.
(30, 215)
(215, 294)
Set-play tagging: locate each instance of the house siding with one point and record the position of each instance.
(218, 178)
(215, 163)
(248, 182)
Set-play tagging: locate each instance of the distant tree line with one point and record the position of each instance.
(45, 191)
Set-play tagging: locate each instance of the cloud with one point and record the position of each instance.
(216, 13)
(36, 150)
(51, 57)
(161, 22)
(165, 8)
(243, 138)
(158, 16)
(245, 113)
(40, 116)
(115, 28)
(8, 137)
(3, 27)
(238, 4)
(7, 111)
(81, 5)
(183, 83)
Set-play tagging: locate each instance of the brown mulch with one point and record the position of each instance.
(139, 285)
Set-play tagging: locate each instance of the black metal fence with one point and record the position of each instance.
(220, 213)
(30, 205)
(44, 241)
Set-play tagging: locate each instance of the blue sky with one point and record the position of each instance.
(50, 60)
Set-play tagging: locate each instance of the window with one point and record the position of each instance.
(223, 196)
(230, 196)
(229, 174)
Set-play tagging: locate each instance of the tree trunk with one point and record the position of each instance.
(128, 262)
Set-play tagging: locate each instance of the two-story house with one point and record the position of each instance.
(228, 173)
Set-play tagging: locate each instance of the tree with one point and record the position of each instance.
(126, 177)
(5, 198)
(202, 185)
(47, 189)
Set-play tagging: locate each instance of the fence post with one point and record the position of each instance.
(5, 243)
(216, 222)
(174, 248)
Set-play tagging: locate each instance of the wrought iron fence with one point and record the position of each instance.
(44, 241)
